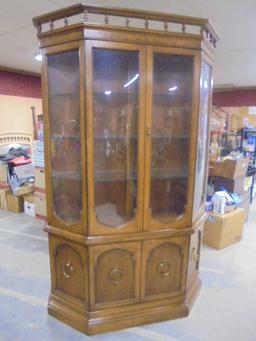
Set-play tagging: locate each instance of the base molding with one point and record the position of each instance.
(107, 320)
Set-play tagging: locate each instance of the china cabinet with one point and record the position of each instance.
(126, 98)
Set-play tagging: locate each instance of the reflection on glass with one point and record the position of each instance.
(115, 115)
(171, 116)
(200, 180)
(64, 115)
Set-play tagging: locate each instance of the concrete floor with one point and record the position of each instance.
(224, 311)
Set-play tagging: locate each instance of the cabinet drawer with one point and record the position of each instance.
(164, 267)
(115, 273)
(194, 253)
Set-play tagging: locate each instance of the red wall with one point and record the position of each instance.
(15, 84)
(235, 98)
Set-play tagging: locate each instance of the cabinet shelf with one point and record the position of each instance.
(168, 173)
(65, 95)
(116, 97)
(114, 175)
(175, 102)
(185, 136)
(101, 137)
(157, 174)
(61, 137)
(71, 175)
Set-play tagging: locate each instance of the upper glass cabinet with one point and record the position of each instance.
(64, 120)
(115, 131)
(170, 136)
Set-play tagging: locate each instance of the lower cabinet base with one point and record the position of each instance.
(115, 318)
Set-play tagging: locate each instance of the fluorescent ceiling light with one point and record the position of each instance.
(108, 92)
(132, 80)
(38, 57)
(173, 88)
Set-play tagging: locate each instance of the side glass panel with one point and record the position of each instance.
(64, 117)
(115, 119)
(171, 120)
(200, 177)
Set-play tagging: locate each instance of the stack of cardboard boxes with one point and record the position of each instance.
(222, 230)
(40, 196)
(38, 157)
(4, 187)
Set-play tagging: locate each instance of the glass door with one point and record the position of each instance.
(169, 138)
(115, 91)
(63, 143)
(203, 140)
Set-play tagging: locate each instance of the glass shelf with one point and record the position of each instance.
(168, 173)
(66, 95)
(60, 137)
(185, 136)
(114, 175)
(72, 175)
(157, 174)
(115, 98)
(171, 100)
(101, 137)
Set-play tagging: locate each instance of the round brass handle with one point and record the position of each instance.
(164, 268)
(68, 270)
(148, 132)
(195, 254)
(116, 276)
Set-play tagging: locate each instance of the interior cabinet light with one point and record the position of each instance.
(173, 88)
(132, 80)
(38, 57)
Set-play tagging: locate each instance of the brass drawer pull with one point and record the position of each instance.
(148, 132)
(164, 268)
(116, 276)
(68, 269)
(195, 254)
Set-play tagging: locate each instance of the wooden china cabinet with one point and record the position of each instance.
(126, 107)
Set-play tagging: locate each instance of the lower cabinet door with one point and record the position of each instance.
(115, 273)
(194, 253)
(68, 268)
(164, 267)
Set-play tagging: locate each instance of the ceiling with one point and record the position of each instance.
(234, 20)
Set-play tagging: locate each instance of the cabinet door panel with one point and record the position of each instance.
(194, 253)
(171, 111)
(164, 267)
(115, 273)
(69, 268)
(115, 111)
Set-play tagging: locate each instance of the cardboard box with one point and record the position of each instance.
(25, 189)
(224, 230)
(230, 169)
(30, 197)
(40, 178)
(29, 208)
(231, 185)
(3, 200)
(3, 172)
(40, 204)
(14, 204)
(245, 203)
